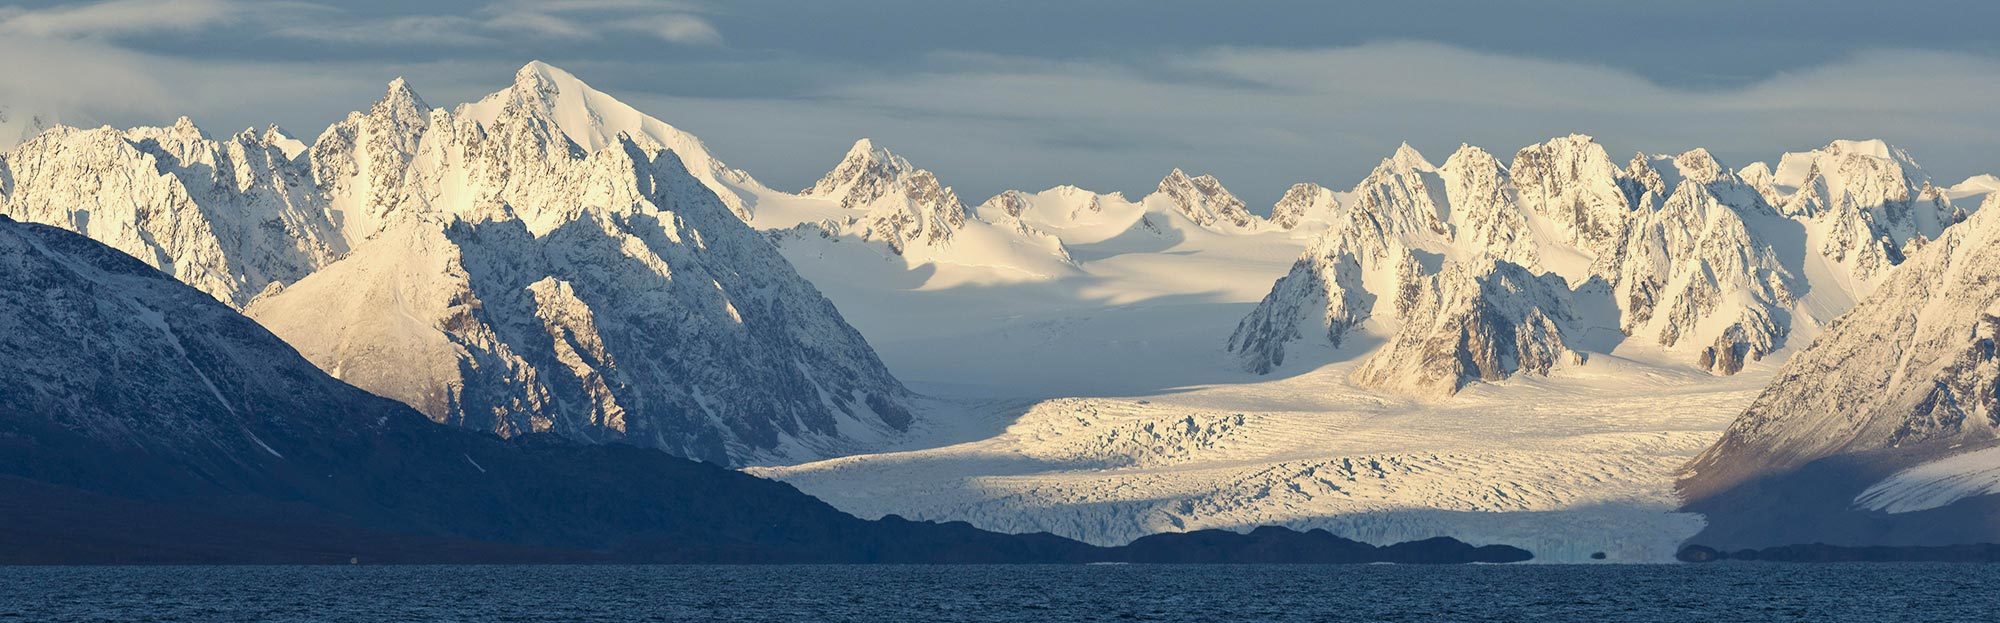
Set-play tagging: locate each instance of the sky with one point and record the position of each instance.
(1104, 94)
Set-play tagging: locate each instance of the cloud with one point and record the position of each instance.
(1264, 118)
(676, 28)
(118, 17)
(589, 20)
(540, 24)
(416, 30)
(1259, 118)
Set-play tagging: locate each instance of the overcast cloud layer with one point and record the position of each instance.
(1108, 95)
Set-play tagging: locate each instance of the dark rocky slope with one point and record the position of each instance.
(142, 421)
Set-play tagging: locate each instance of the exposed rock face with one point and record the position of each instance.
(491, 270)
(1322, 293)
(1481, 208)
(1479, 321)
(1304, 203)
(360, 163)
(1867, 436)
(1573, 183)
(899, 204)
(230, 217)
(1870, 205)
(1704, 269)
(1679, 252)
(1204, 200)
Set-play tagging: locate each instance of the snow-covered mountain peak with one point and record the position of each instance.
(1983, 181)
(1676, 251)
(889, 200)
(284, 140)
(1796, 168)
(862, 175)
(1975, 187)
(1202, 199)
(400, 101)
(1573, 183)
(1873, 148)
(401, 97)
(229, 217)
(1463, 156)
(1304, 202)
(593, 120)
(1698, 166)
(1407, 158)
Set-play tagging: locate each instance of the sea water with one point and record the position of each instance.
(1535, 593)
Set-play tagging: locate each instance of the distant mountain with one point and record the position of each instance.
(1886, 431)
(1714, 267)
(19, 124)
(144, 422)
(1305, 204)
(878, 197)
(1203, 200)
(231, 217)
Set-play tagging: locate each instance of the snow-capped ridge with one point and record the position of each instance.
(1204, 201)
(538, 261)
(1890, 412)
(1304, 203)
(230, 217)
(593, 119)
(1677, 251)
(1409, 159)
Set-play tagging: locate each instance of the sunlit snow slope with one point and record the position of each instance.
(1102, 403)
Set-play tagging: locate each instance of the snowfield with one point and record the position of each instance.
(1103, 407)
(1564, 467)
(1112, 400)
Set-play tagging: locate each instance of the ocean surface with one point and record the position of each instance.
(1536, 593)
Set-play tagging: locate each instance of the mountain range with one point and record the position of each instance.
(146, 422)
(490, 270)
(1477, 271)
(553, 267)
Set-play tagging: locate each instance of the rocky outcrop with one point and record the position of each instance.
(1480, 321)
(1874, 413)
(1304, 203)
